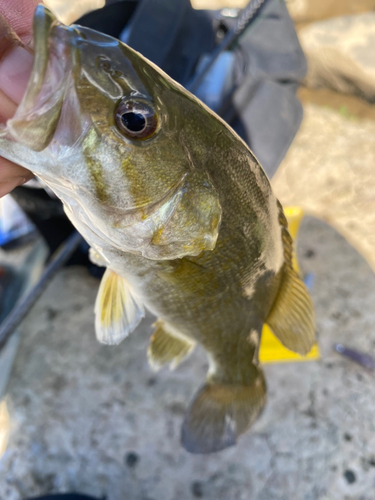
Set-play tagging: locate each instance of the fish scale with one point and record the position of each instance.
(180, 212)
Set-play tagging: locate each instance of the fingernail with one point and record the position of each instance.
(15, 69)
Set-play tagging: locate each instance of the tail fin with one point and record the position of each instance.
(219, 413)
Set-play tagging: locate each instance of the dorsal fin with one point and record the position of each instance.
(292, 316)
(294, 216)
(118, 310)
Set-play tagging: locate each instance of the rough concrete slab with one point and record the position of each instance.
(95, 419)
(312, 10)
(340, 53)
(300, 10)
(329, 171)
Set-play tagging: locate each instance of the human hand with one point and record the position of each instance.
(15, 67)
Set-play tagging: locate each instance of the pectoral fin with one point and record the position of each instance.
(292, 317)
(97, 259)
(167, 348)
(117, 310)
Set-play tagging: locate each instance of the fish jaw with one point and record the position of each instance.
(38, 114)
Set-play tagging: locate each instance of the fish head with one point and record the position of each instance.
(118, 141)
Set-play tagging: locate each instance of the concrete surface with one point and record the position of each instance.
(340, 53)
(96, 419)
(300, 10)
(312, 10)
(348, 106)
(329, 171)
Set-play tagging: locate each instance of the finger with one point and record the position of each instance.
(19, 14)
(15, 69)
(16, 59)
(7, 107)
(11, 176)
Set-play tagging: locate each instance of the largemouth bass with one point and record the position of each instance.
(177, 208)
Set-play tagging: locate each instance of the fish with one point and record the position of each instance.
(176, 207)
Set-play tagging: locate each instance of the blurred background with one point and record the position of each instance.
(79, 416)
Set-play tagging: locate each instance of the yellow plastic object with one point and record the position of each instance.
(271, 349)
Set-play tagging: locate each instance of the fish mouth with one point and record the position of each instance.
(37, 116)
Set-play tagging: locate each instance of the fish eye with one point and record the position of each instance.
(136, 119)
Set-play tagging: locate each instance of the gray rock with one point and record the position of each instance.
(341, 54)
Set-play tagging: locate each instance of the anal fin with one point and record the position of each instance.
(292, 317)
(167, 348)
(118, 310)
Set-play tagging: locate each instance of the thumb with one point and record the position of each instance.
(16, 61)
